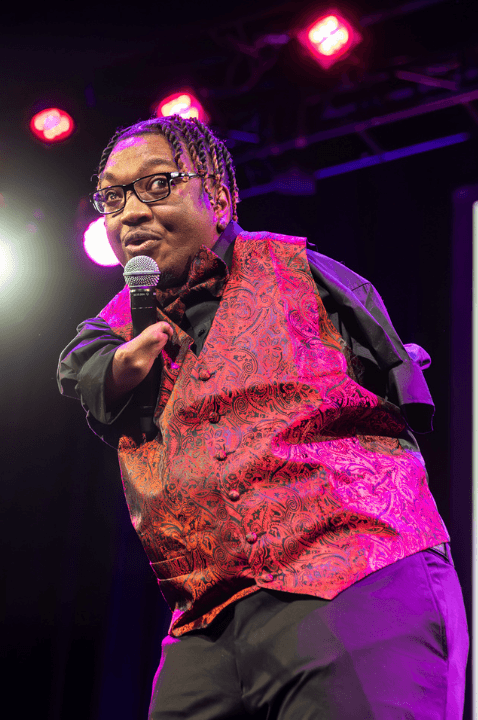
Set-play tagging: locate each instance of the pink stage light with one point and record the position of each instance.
(52, 125)
(96, 244)
(330, 38)
(183, 104)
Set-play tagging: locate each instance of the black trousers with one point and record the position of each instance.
(392, 646)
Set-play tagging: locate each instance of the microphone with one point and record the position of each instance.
(141, 274)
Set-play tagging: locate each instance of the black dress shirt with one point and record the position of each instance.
(353, 306)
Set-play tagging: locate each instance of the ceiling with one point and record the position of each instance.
(413, 79)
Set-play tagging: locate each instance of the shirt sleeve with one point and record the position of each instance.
(359, 314)
(82, 371)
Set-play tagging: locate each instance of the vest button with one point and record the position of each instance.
(267, 577)
(214, 417)
(251, 537)
(204, 374)
(220, 455)
(234, 495)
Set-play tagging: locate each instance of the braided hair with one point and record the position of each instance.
(204, 149)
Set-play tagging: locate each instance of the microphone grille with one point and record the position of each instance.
(141, 271)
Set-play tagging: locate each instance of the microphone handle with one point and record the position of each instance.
(143, 314)
(143, 308)
(146, 395)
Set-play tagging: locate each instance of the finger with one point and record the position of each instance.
(165, 328)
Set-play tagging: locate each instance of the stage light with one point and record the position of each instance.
(183, 104)
(52, 125)
(96, 244)
(330, 38)
(28, 271)
(8, 262)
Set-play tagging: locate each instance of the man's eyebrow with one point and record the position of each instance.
(147, 164)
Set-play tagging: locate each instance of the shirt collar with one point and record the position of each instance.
(225, 242)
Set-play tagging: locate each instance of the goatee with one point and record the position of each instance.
(170, 278)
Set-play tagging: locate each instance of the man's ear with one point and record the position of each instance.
(222, 207)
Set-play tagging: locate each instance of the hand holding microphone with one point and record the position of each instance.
(134, 360)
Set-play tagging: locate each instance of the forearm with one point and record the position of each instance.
(125, 373)
(132, 362)
(85, 363)
(102, 370)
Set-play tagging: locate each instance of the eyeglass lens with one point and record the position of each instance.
(148, 189)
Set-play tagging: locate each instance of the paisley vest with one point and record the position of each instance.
(272, 467)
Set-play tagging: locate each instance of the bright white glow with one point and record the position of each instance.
(30, 278)
(329, 35)
(183, 104)
(96, 244)
(8, 263)
(52, 124)
(56, 128)
(329, 38)
(323, 29)
(336, 41)
(180, 106)
(474, 633)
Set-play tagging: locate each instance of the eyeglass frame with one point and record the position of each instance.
(131, 186)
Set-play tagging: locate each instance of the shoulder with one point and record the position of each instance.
(117, 307)
(334, 269)
(269, 237)
(118, 313)
(323, 268)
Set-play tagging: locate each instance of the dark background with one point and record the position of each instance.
(83, 615)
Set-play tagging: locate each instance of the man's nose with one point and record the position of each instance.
(134, 210)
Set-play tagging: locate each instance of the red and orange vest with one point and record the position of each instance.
(272, 466)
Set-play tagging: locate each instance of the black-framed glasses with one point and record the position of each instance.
(147, 189)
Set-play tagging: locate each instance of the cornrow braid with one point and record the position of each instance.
(203, 152)
(225, 165)
(192, 136)
(191, 145)
(194, 142)
(175, 143)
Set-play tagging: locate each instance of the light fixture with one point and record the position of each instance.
(329, 38)
(52, 125)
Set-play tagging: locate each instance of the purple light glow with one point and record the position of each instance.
(96, 244)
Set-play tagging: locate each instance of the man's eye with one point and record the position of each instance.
(110, 195)
(159, 182)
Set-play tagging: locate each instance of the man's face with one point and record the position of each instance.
(171, 230)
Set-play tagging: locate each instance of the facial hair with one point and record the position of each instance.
(171, 279)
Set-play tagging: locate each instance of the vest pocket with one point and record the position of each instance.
(173, 567)
(172, 578)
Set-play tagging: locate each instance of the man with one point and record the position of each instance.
(282, 499)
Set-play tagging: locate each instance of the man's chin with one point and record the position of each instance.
(171, 278)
